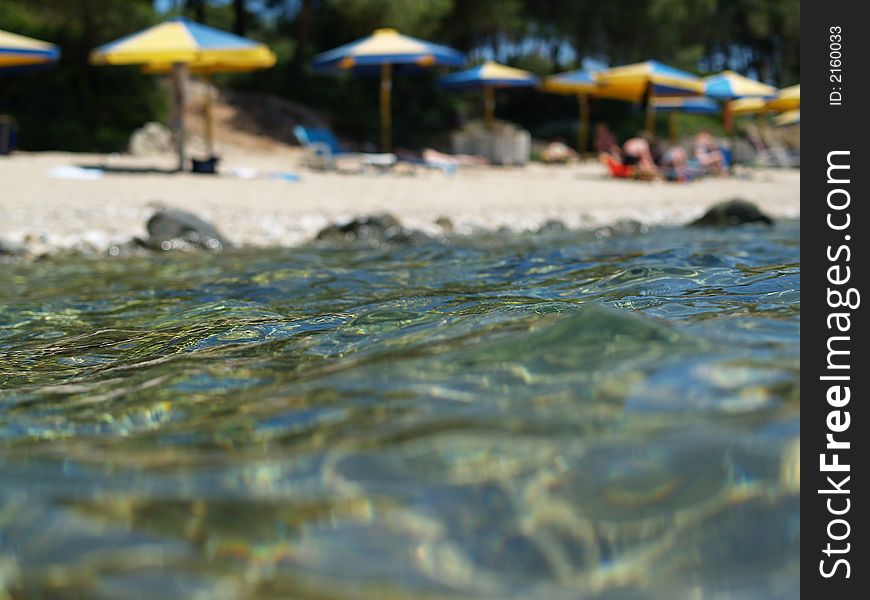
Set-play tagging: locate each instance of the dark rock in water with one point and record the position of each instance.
(445, 224)
(171, 228)
(383, 228)
(730, 213)
(552, 226)
(622, 227)
(134, 247)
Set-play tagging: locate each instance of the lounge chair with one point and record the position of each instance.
(323, 148)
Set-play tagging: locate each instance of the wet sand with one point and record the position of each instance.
(51, 213)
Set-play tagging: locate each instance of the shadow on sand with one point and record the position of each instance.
(128, 170)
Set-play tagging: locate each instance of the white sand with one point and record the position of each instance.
(52, 213)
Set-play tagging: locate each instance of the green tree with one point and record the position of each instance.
(74, 106)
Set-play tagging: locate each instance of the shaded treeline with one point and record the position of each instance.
(101, 105)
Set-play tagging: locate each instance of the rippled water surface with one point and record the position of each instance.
(505, 416)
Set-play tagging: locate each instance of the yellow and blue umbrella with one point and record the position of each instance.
(748, 106)
(182, 41)
(693, 105)
(381, 52)
(787, 99)
(489, 76)
(729, 86)
(789, 117)
(687, 105)
(18, 53)
(583, 84)
(633, 82)
(580, 81)
(180, 45)
(647, 80)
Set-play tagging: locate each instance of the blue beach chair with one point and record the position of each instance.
(323, 148)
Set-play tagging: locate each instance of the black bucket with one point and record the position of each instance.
(208, 166)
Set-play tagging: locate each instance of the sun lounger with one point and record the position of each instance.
(323, 148)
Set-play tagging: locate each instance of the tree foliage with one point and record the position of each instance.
(95, 108)
(75, 106)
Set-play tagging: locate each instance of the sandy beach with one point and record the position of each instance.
(252, 204)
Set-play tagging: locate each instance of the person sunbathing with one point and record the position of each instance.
(675, 163)
(557, 152)
(637, 153)
(708, 154)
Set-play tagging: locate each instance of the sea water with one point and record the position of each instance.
(555, 415)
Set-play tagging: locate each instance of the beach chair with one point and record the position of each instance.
(323, 148)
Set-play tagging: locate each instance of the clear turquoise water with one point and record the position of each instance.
(505, 416)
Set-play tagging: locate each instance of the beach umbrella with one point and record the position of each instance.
(748, 106)
(633, 82)
(183, 46)
(205, 70)
(787, 99)
(488, 76)
(789, 117)
(648, 80)
(583, 84)
(729, 86)
(382, 53)
(696, 105)
(19, 53)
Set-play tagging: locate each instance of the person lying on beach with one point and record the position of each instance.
(447, 163)
(557, 152)
(431, 156)
(673, 162)
(708, 154)
(637, 153)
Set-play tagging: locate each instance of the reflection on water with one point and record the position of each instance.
(508, 416)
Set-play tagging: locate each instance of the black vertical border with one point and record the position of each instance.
(826, 128)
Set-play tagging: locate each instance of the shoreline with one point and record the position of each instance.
(45, 214)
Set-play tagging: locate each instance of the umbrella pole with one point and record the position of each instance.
(727, 118)
(208, 116)
(583, 131)
(650, 116)
(386, 89)
(488, 106)
(179, 84)
(728, 124)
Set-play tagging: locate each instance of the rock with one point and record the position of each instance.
(552, 226)
(11, 250)
(621, 227)
(378, 229)
(151, 138)
(445, 224)
(730, 213)
(171, 228)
